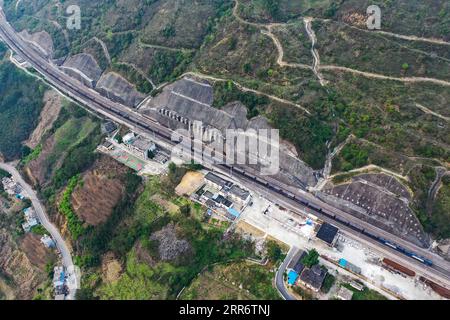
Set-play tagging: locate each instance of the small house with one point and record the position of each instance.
(313, 277)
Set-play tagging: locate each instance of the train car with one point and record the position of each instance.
(404, 251)
(389, 244)
(423, 260)
(428, 262)
(356, 228)
(248, 175)
(314, 207)
(329, 215)
(392, 245)
(341, 221)
(290, 195)
(305, 203)
(418, 258)
(238, 170)
(261, 181)
(368, 234)
(277, 189)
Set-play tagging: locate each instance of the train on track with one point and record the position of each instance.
(334, 217)
(258, 180)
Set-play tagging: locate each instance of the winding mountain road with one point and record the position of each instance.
(245, 89)
(45, 221)
(317, 67)
(279, 278)
(287, 196)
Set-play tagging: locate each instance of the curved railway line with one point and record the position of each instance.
(430, 263)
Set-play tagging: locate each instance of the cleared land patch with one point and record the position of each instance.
(191, 181)
(241, 281)
(99, 192)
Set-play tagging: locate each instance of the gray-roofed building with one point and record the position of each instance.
(210, 204)
(222, 201)
(109, 127)
(296, 262)
(358, 286)
(59, 280)
(207, 195)
(217, 182)
(30, 219)
(48, 242)
(106, 146)
(344, 294)
(327, 233)
(313, 277)
(141, 146)
(239, 195)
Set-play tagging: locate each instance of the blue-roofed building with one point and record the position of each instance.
(349, 266)
(59, 279)
(292, 277)
(234, 214)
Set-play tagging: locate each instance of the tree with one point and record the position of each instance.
(328, 283)
(311, 259)
(274, 252)
(172, 168)
(186, 210)
(168, 31)
(272, 7)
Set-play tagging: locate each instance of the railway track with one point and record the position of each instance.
(134, 120)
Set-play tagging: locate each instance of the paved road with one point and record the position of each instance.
(438, 273)
(279, 278)
(143, 125)
(44, 220)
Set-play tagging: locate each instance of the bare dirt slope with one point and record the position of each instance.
(35, 251)
(49, 114)
(17, 269)
(37, 169)
(101, 189)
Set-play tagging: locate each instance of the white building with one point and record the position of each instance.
(59, 280)
(48, 241)
(11, 187)
(129, 137)
(30, 219)
(344, 294)
(139, 146)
